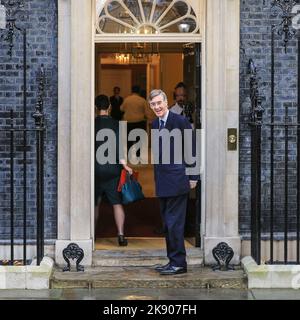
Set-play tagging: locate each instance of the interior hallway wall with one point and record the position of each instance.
(171, 72)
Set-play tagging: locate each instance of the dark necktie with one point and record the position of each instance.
(162, 124)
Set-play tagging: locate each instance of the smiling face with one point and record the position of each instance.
(159, 106)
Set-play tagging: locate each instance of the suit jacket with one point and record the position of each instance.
(116, 113)
(171, 179)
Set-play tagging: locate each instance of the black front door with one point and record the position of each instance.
(192, 79)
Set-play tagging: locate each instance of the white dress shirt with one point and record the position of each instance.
(177, 108)
(164, 118)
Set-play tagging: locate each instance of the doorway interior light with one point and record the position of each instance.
(184, 27)
(138, 53)
(122, 58)
(128, 58)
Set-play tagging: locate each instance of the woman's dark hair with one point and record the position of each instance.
(102, 102)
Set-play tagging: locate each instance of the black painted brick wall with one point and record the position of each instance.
(256, 21)
(39, 17)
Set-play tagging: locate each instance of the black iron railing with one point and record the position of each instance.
(275, 156)
(36, 133)
(20, 138)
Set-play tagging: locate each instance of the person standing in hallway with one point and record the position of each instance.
(136, 112)
(116, 101)
(181, 105)
(172, 185)
(107, 175)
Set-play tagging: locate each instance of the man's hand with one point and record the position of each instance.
(193, 184)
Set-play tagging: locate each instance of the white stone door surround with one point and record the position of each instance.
(220, 42)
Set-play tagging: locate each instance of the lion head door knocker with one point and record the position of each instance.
(73, 251)
(223, 255)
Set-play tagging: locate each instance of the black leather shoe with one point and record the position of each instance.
(173, 270)
(160, 267)
(122, 241)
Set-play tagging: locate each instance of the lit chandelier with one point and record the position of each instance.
(122, 58)
(136, 55)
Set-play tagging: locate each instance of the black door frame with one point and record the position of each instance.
(192, 52)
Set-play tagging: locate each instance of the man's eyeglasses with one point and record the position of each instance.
(158, 103)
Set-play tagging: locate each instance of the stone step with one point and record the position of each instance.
(139, 258)
(143, 277)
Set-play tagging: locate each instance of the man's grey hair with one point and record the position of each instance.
(157, 92)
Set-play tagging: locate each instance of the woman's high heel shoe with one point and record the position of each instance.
(122, 241)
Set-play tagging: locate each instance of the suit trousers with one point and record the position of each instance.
(173, 212)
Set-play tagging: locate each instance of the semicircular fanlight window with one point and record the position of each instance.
(147, 17)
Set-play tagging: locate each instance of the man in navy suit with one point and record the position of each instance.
(172, 185)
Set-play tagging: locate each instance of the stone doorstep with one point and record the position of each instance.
(271, 276)
(140, 258)
(27, 277)
(142, 277)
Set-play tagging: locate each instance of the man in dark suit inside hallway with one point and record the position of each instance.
(172, 184)
(116, 101)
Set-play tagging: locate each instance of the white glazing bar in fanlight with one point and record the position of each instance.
(166, 11)
(99, 6)
(152, 11)
(142, 11)
(129, 12)
(173, 22)
(179, 19)
(108, 15)
(116, 20)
